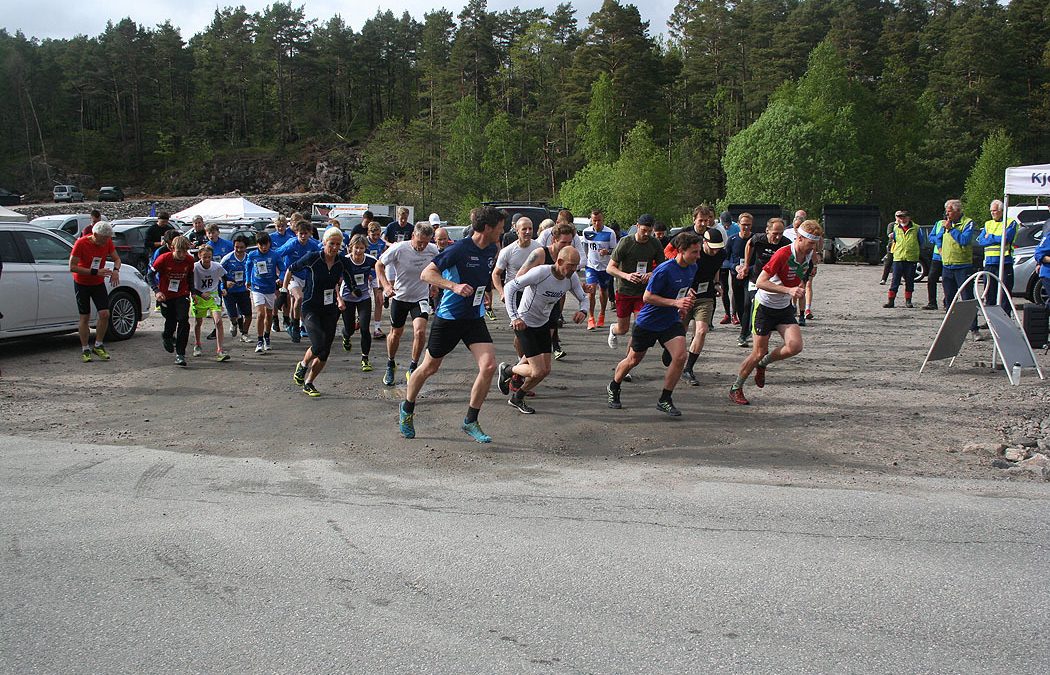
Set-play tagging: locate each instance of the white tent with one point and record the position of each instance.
(1028, 180)
(9, 216)
(227, 208)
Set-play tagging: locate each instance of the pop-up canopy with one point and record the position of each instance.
(9, 216)
(227, 208)
(1028, 180)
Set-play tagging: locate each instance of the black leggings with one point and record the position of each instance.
(176, 313)
(745, 318)
(932, 279)
(320, 326)
(723, 278)
(739, 297)
(363, 312)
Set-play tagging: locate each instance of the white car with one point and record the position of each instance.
(72, 223)
(36, 287)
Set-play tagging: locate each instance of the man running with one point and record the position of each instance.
(632, 264)
(600, 242)
(238, 299)
(540, 290)
(668, 297)
(735, 248)
(399, 230)
(805, 304)
(87, 263)
(264, 268)
(759, 249)
(509, 261)
(292, 251)
(206, 295)
(171, 277)
(465, 269)
(562, 235)
(409, 295)
(706, 287)
(780, 283)
(278, 238)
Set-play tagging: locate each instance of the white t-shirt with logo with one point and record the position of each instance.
(408, 263)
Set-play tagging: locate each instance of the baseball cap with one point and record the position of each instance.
(646, 219)
(714, 238)
(435, 219)
(902, 212)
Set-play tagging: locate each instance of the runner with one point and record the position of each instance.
(399, 230)
(465, 269)
(155, 233)
(668, 297)
(264, 268)
(278, 238)
(540, 290)
(510, 259)
(562, 235)
(322, 303)
(375, 247)
(238, 299)
(292, 252)
(171, 277)
(729, 230)
(600, 242)
(358, 308)
(209, 279)
(87, 263)
(735, 249)
(408, 294)
(197, 235)
(781, 282)
(632, 264)
(760, 248)
(441, 238)
(96, 218)
(706, 287)
(805, 304)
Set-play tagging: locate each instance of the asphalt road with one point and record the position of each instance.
(127, 559)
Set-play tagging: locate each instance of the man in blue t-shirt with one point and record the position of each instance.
(668, 296)
(464, 271)
(292, 252)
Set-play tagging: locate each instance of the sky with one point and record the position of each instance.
(54, 19)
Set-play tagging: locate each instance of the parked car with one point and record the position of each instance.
(130, 241)
(455, 232)
(67, 193)
(537, 212)
(36, 289)
(1026, 269)
(110, 194)
(8, 198)
(73, 223)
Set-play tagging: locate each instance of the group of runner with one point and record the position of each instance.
(444, 289)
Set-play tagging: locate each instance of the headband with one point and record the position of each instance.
(809, 235)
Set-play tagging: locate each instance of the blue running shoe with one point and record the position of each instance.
(473, 429)
(405, 422)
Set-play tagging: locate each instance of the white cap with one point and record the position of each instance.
(435, 219)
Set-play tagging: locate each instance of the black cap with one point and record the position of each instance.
(714, 238)
(646, 219)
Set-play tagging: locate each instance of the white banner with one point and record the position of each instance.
(1028, 180)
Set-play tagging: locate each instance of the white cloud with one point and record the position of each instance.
(54, 19)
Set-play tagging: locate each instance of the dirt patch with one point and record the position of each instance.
(852, 405)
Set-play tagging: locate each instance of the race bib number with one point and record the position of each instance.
(261, 267)
(702, 288)
(96, 264)
(329, 296)
(424, 306)
(752, 286)
(682, 292)
(400, 237)
(238, 277)
(173, 285)
(479, 295)
(359, 279)
(642, 268)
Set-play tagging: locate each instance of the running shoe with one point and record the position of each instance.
(503, 378)
(473, 429)
(299, 376)
(296, 333)
(101, 352)
(275, 325)
(561, 321)
(366, 365)
(613, 338)
(590, 322)
(491, 316)
(405, 422)
(760, 376)
(388, 378)
(601, 320)
(378, 334)
(86, 356)
(245, 339)
(668, 407)
(222, 357)
(614, 397)
(266, 344)
(347, 345)
(211, 335)
(736, 320)
(689, 377)
(742, 342)
(169, 343)
(809, 314)
(197, 351)
(408, 373)
(519, 403)
(301, 330)
(737, 396)
(259, 347)
(233, 330)
(628, 378)
(666, 358)
(725, 320)
(290, 330)
(802, 320)
(180, 360)
(310, 390)
(558, 354)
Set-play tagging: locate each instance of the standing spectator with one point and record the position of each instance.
(155, 233)
(933, 277)
(957, 256)
(87, 262)
(887, 262)
(1042, 259)
(906, 241)
(991, 239)
(735, 254)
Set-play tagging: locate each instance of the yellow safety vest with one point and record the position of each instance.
(996, 228)
(951, 252)
(906, 244)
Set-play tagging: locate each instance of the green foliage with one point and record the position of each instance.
(985, 181)
(590, 187)
(600, 133)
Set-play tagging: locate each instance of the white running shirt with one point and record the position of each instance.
(408, 263)
(540, 291)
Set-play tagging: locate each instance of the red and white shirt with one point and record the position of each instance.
(783, 268)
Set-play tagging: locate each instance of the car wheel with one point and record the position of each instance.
(921, 271)
(123, 315)
(1036, 291)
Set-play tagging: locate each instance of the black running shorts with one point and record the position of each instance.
(86, 295)
(766, 319)
(445, 334)
(401, 310)
(535, 341)
(642, 340)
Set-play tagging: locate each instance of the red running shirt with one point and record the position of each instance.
(174, 276)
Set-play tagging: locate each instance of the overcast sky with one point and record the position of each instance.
(54, 19)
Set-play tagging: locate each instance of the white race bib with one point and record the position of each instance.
(359, 279)
(173, 285)
(682, 293)
(702, 288)
(329, 296)
(400, 237)
(424, 306)
(238, 276)
(96, 264)
(479, 295)
(642, 268)
(751, 286)
(261, 267)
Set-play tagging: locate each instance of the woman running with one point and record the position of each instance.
(358, 310)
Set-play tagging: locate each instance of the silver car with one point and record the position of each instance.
(36, 287)
(1026, 271)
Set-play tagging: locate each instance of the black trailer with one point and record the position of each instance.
(857, 227)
